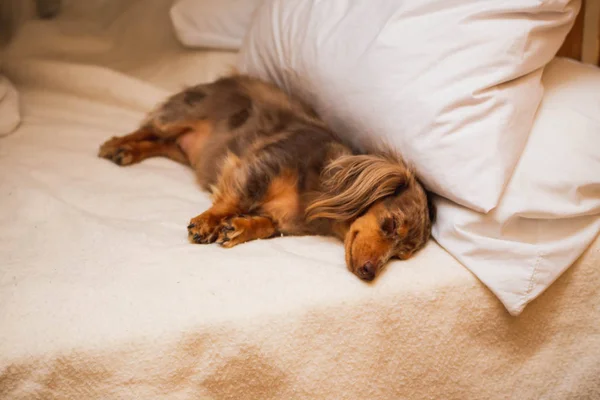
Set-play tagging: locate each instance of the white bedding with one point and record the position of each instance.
(9, 107)
(102, 296)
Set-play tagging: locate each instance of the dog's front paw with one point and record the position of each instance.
(204, 229)
(232, 232)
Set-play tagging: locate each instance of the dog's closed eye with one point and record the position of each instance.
(388, 226)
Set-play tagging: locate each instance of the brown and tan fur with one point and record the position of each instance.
(274, 168)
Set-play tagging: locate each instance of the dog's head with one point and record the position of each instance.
(387, 210)
(396, 226)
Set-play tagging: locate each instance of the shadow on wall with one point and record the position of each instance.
(47, 8)
(14, 12)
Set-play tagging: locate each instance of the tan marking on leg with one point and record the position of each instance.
(282, 202)
(204, 228)
(227, 188)
(172, 129)
(135, 152)
(193, 141)
(108, 148)
(238, 230)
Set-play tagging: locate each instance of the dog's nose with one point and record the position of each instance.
(367, 271)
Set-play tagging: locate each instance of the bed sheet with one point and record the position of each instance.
(102, 296)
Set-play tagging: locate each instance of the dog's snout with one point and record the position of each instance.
(367, 271)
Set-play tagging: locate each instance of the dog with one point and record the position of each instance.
(274, 168)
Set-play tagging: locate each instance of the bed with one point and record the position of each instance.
(102, 296)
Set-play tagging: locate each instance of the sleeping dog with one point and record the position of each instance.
(274, 168)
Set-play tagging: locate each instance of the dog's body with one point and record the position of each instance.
(273, 168)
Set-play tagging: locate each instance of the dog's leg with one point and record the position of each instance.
(242, 229)
(204, 228)
(115, 146)
(128, 153)
(159, 133)
(136, 136)
(149, 141)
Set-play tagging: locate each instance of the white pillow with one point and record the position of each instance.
(550, 211)
(218, 24)
(453, 84)
(9, 107)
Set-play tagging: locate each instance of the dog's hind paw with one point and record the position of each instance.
(120, 154)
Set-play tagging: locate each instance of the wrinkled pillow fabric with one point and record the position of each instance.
(453, 85)
(550, 211)
(218, 24)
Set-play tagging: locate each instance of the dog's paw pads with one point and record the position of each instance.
(229, 233)
(203, 229)
(120, 154)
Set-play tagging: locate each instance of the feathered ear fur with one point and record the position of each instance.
(351, 184)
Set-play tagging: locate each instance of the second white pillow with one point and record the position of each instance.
(212, 24)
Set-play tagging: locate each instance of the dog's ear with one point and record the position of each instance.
(351, 184)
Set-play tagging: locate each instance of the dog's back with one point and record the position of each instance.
(253, 121)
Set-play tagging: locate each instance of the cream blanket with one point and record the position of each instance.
(102, 297)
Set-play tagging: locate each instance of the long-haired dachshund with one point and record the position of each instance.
(274, 168)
